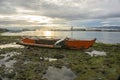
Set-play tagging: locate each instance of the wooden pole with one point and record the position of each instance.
(71, 31)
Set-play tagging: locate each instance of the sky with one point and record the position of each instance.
(81, 13)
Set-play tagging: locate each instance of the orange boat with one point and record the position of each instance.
(79, 44)
(58, 43)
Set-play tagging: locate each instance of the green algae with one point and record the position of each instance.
(29, 66)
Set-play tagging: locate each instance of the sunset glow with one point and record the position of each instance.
(81, 13)
(48, 33)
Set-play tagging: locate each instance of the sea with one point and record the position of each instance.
(101, 36)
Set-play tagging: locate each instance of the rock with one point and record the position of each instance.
(97, 53)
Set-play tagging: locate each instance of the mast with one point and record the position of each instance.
(71, 31)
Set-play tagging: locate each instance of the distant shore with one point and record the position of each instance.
(89, 30)
(73, 29)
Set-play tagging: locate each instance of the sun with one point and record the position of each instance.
(47, 33)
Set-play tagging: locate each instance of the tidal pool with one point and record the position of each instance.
(11, 45)
(6, 57)
(59, 74)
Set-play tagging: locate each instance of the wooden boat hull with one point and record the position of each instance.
(37, 45)
(79, 44)
(50, 43)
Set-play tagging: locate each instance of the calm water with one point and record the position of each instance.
(104, 37)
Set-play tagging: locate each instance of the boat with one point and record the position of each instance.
(67, 43)
(79, 44)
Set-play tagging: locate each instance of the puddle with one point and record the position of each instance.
(6, 57)
(96, 53)
(48, 59)
(10, 63)
(5, 79)
(59, 74)
(11, 45)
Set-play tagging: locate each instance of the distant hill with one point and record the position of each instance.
(15, 29)
(110, 27)
(3, 30)
(104, 28)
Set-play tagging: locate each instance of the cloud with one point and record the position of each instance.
(6, 7)
(112, 22)
(63, 11)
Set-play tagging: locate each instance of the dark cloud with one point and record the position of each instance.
(73, 9)
(68, 10)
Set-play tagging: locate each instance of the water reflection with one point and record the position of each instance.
(59, 74)
(48, 34)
